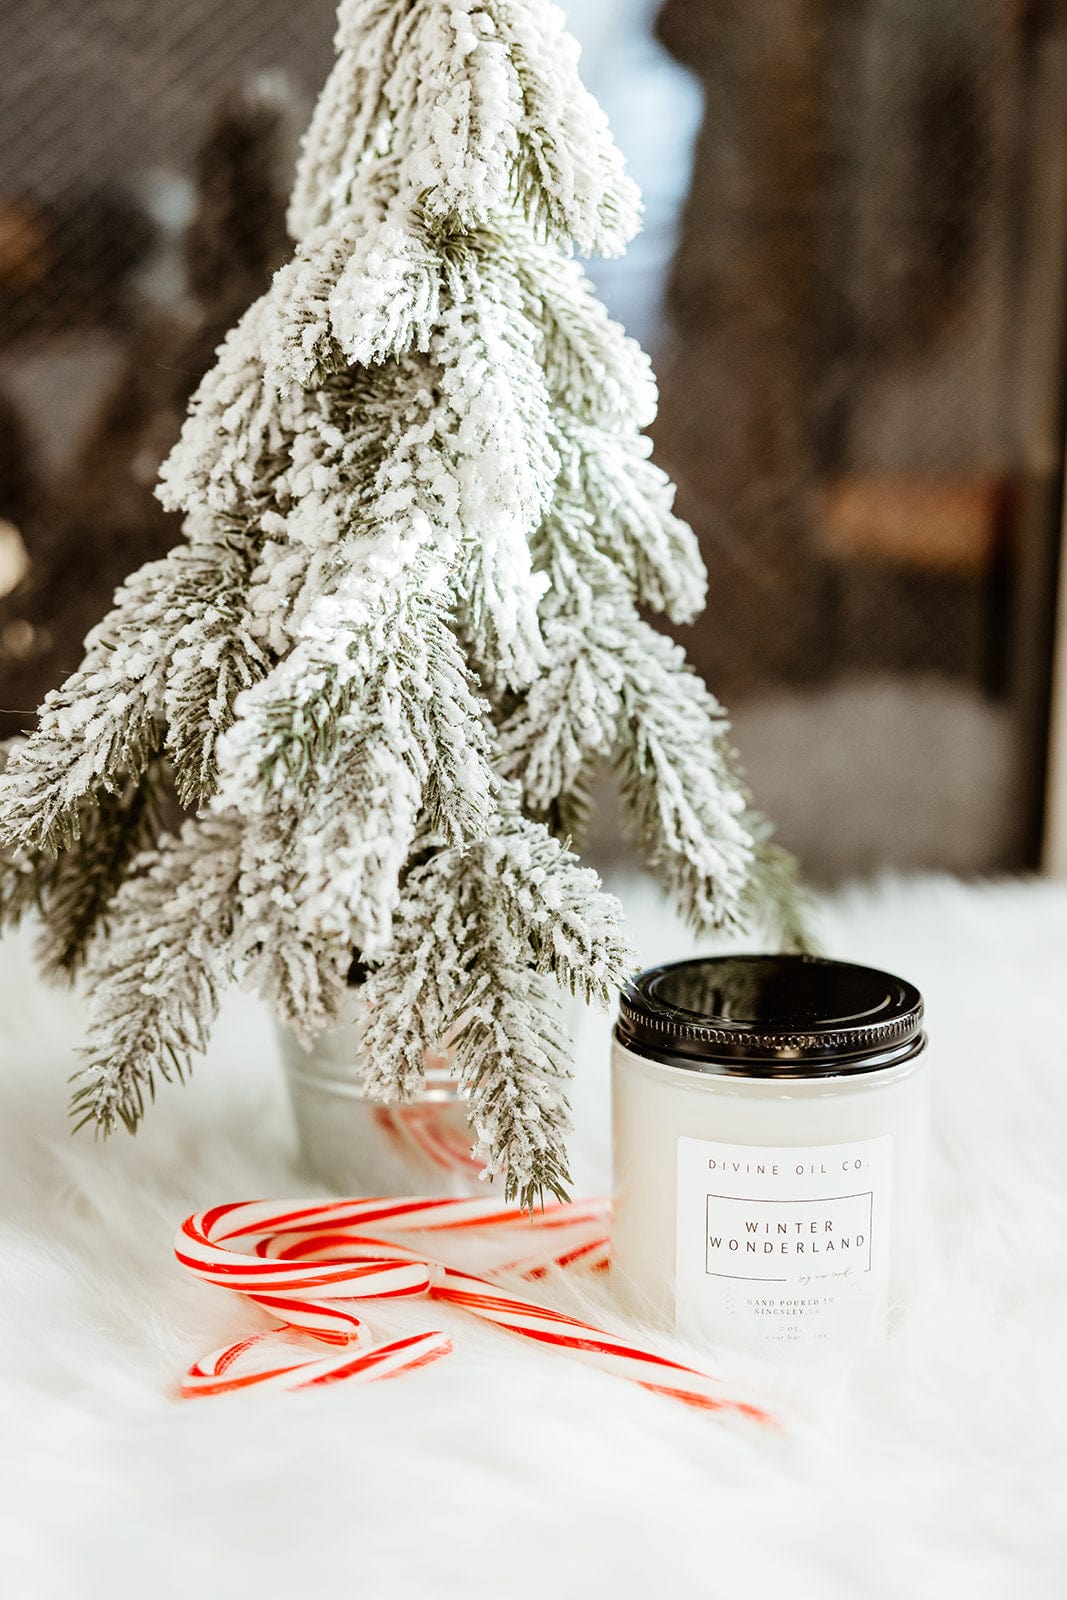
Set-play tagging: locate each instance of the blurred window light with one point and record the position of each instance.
(14, 561)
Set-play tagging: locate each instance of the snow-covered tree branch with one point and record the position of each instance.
(402, 631)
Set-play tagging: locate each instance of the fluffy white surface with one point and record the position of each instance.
(935, 1467)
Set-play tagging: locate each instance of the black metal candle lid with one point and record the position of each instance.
(771, 1016)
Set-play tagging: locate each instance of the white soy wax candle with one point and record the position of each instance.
(770, 1124)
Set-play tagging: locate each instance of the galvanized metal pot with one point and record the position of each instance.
(358, 1146)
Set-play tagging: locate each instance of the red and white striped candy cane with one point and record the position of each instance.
(426, 1130)
(307, 1265)
(304, 1296)
(307, 1261)
(590, 1343)
(228, 1370)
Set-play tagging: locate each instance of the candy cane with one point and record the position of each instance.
(222, 1374)
(426, 1129)
(307, 1261)
(305, 1296)
(591, 1344)
(425, 1126)
(420, 1214)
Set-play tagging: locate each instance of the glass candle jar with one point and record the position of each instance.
(770, 1122)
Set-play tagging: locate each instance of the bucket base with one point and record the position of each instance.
(357, 1146)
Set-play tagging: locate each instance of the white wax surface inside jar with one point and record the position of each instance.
(778, 1214)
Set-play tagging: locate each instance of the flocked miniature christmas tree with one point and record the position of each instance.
(402, 631)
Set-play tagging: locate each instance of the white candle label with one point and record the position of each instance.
(782, 1246)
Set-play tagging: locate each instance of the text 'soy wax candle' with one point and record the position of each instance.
(770, 1124)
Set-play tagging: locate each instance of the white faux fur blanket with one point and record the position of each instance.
(937, 1466)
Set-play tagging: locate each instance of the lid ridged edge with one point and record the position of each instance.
(667, 1032)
